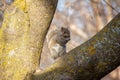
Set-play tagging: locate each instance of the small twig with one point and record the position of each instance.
(110, 6)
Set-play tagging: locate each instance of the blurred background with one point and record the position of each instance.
(84, 18)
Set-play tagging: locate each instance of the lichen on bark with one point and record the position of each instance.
(21, 37)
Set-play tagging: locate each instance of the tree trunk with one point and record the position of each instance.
(89, 61)
(22, 35)
(21, 40)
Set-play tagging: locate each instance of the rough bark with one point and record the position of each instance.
(21, 37)
(90, 61)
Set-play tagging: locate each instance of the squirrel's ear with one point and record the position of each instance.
(62, 28)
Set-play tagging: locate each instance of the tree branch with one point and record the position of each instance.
(89, 61)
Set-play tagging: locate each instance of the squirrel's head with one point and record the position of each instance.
(65, 34)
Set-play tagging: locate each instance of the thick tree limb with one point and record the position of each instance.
(89, 61)
(22, 35)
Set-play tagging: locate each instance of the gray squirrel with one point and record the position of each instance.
(57, 40)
